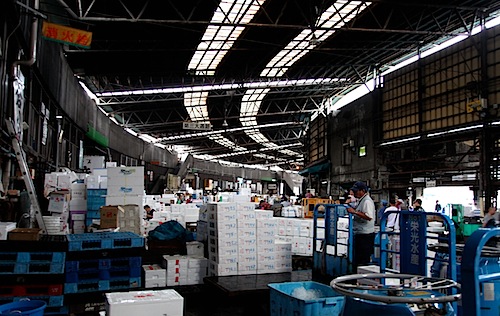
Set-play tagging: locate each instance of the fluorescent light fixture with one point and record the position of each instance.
(455, 130)
(233, 86)
(400, 141)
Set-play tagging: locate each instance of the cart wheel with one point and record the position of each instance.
(404, 288)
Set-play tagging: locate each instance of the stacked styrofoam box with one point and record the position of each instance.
(197, 269)
(247, 238)
(131, 219)
(283, 256)
(54, 225)
(5, 228)
(145, 303)
(191, 212)
(177, 269)
(78, 207)
(195, 248)
(93, 162)
(125, 186)
(177, 214)
(300, 232)
(222, 238)
(267, 230)
(154, 276)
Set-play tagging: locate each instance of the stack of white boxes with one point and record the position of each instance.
(59, 209)
(177, 269)
(78, 207)
(222, 238)
(299, 232)
(283, 256)
(154, 276)
(142, 303)
(267, 229)
(197, 270)
(125, 186)
(247, 238)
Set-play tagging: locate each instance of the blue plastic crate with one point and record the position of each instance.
(35, 267)
(102, 285)
(93, 214)
(96, 241)
(283, 303)
(52, 301)
(28, 257)
(95, 203)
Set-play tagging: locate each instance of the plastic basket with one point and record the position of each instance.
(283, 303)
(24, 308)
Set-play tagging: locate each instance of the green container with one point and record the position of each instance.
(470, 228)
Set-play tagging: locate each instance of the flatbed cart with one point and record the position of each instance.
(480, 272)
(332, 251)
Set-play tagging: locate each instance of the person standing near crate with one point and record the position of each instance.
(363, 225)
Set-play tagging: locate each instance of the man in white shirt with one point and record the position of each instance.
(392, 222)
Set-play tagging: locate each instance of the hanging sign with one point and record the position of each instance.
(66, 35)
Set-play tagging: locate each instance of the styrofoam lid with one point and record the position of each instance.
(142, 297)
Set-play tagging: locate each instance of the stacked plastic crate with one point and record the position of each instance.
(34, 275)
(95, 199)
(222, 239)
(103, 262)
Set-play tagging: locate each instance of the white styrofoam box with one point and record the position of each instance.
(222, 259)
(261, 214)
(245, 191)
(283, 266)
(247, 258)
(79, 225)
(145, 303)
(154, 271)
(78, 205)
(265, 233)
(264, 241)
(161, 215)
(103, 183)
(284, 239)
(195, 262)
(111, 164)
(58, 203)
(93, 162)
(221, 217)
(125, 175)
(247, 224)
(247, 233)
(5, 228)
(101, 172)
(77, 216)
(265, 257)
(224, 252)
(320, 233)
(240, 198)
(174, 260)
(64, 181)
(223, 243)
(223, 234)
(246, 215)
(245, 207)
(78, 191)
(266, 267)
(50, 180)
(191, 218)
(92, 182)
(195, 248)
(247, 250)
(247, 268)
(282, 230)
(221, 207)
(247, 242)
(266, 248)
(121, 189)
(222, 269)
(269, 223)
(343, 224)
(281, 246)
(124, 200)
(283, 256)
(152, 283)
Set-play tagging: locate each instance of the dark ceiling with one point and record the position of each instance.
(141, 44)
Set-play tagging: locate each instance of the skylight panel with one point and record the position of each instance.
(334, 17)
(195, 104)
(218, 39)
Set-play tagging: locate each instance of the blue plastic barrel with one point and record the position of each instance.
(24, 308)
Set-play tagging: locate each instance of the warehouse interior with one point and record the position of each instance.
(225, 137)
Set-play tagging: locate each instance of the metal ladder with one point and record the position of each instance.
(21, 159)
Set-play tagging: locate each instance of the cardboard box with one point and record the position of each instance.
(109, 216)
(24, 234)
